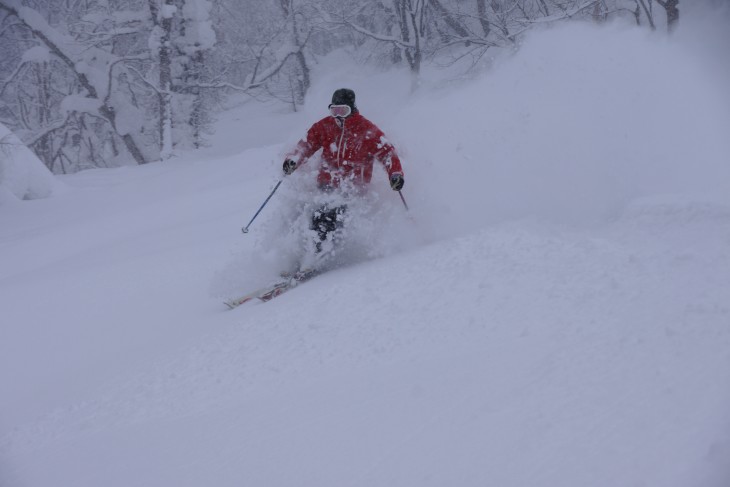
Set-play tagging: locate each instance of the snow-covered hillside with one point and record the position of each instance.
(554, 310)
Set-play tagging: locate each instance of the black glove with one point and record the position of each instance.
(289, 166)
(396, 181)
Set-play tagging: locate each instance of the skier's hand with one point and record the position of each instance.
(289, 166)
(396, 181)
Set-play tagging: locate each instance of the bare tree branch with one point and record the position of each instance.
(10, 78)
(34, 139)
(361, 30)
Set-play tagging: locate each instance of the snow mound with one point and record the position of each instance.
(22, 175)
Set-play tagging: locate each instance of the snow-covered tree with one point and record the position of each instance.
(265, 49)
(181, 36)
(108, 75)
(99, 83)
(88, 85)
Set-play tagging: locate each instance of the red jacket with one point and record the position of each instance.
(348, 151)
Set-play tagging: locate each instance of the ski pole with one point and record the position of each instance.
(245, 229)
(403, 200)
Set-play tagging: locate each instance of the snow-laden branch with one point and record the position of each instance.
(147, 82)
(32, 55)
(110, 78)
(52, 40)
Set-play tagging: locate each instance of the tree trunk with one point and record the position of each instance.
(408, 27)
(162, 20)
(672, 14)
(165, 84)
(304, 82)
(482, 11)
(672, 9)
(647, 12)
(197, 117)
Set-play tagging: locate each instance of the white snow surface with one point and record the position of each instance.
(554, 310)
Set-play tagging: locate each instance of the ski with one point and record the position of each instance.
(264, 294)
(270, 292)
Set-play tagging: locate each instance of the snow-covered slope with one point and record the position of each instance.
(555, 311)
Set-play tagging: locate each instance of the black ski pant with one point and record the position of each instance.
(326, 221)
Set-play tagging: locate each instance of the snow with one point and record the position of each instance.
(199, 33)
(36, 22)
(168, 11)
(554, 309)
(22, 175)
(80, 103)
(37, 54)
(155, 40)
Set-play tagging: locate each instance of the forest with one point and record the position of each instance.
(103, 83)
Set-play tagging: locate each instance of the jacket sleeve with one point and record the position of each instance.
(387, 155)
(307, 146)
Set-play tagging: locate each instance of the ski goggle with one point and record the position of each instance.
(341, 111)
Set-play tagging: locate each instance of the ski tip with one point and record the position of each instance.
(235, 303)
(270, 292)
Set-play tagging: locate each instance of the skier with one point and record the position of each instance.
(350, 145)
